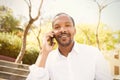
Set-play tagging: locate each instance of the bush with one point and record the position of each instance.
(10, 45)
(30, 54)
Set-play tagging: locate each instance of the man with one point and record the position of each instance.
(70, 61)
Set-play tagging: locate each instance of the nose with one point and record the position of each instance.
(63, 29)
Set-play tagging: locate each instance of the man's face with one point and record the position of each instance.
(64, 30)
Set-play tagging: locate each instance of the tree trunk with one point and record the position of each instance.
(97, 30)
(31, 21)
(23, 48)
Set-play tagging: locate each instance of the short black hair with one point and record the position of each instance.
(65, 14)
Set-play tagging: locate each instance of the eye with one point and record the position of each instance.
(56, 27)
(67, 25)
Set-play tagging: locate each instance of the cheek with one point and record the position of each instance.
(56, 32)
(72, 30)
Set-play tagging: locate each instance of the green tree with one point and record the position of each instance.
(86, 35)
(102, 4)
(8, 22)
(30, 22)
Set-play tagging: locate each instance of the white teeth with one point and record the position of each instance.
(64, 36)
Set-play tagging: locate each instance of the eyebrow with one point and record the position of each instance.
(69, 22)
(65, 23)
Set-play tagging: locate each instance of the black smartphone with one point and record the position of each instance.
(51, 40)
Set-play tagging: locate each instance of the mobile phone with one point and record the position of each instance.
(51, 40)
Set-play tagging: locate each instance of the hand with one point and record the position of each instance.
(47, 46)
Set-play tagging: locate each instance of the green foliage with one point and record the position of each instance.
(10, 45)
(31, 54)
(117, 36)
(86, 35)
(8, 22)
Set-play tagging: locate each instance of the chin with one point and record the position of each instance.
(65, 43)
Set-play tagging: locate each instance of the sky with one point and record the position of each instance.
(83, 11)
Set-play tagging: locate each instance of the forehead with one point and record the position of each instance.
(63, 18)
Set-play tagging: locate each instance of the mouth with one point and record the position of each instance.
(64, 39)
(64, 35)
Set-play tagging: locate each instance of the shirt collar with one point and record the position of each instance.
(75, 48)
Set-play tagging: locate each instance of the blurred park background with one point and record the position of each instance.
(23, 23)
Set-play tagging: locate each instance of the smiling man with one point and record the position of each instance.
(71, 60)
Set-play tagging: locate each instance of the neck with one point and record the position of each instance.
(66, 49)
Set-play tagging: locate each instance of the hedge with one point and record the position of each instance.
(10, 45)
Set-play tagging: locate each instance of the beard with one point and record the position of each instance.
(64, 39)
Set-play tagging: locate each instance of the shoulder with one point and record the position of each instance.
(87, 49)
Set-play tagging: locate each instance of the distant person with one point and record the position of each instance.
(71, 60)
